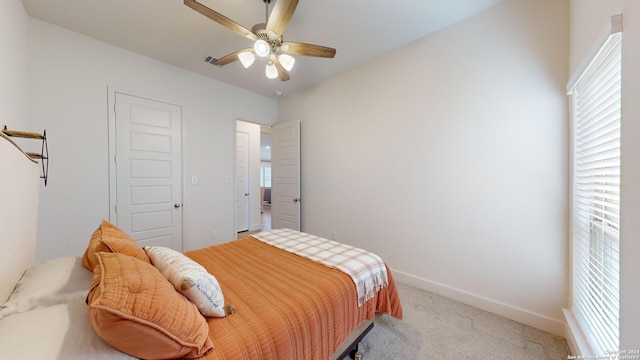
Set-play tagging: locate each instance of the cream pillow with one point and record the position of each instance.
(61, 331)
(56, 276)
(48, 283)
(189, 278)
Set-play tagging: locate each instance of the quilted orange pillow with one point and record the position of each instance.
(109, 238)
(137, 311)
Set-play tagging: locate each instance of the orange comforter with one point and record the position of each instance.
(288, 307)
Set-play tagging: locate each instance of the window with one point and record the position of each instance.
(265, 174)
(596, 198)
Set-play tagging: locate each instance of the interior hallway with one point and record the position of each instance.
(265, 220)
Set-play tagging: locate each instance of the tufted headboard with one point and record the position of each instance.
(19, 191)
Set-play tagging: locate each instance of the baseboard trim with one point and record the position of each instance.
(538, 321)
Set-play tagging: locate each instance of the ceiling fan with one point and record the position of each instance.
(267, 39)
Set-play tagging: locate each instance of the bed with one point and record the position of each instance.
(283, 305)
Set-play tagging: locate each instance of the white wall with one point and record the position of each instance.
(449, 158)
(68, 96)
(589, 25)
(14, 34)
(630, 203)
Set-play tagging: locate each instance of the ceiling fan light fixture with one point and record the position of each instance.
(267, 38)
(246, 58)
(261, 48)
(270, 70)
(287, 61)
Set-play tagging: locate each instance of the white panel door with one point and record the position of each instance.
(148, 170)
(285, 176)
(242, 181)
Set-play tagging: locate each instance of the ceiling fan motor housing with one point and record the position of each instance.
(260, 30)
(262, 33)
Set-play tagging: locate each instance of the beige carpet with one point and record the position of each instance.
(435, 327)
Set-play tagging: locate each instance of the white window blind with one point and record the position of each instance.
(265, 174)
(596, 198)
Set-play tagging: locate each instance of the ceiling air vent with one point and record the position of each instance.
(210, 59)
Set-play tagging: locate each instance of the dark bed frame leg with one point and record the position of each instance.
(354, 353)
(352, 350)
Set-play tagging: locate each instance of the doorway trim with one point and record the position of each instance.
(111, 119)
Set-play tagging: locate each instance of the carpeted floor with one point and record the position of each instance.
(435, 327)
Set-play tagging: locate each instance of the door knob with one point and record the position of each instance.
(177, 205)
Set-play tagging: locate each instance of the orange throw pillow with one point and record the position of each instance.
(109, 238)
(137, 311)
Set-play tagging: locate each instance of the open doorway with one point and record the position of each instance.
(252, 178)
(265, 177)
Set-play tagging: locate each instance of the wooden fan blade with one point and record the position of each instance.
(220, 19)
(227, 59)
(294, 48)
(280, 16)
(283, 74)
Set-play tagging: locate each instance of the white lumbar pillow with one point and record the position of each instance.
(190, 279)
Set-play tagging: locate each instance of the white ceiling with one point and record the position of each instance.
(169, 31)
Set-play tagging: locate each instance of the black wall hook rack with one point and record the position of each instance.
(42, 156)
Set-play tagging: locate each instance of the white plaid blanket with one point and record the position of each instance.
(367, 270)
